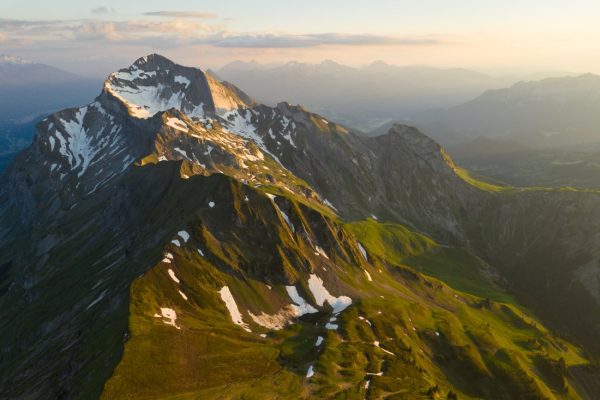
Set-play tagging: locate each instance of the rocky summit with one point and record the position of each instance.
(176, 239)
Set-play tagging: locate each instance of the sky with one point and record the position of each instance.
(496, 36)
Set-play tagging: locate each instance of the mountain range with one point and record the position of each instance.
(361, 97)
(16, 71)
(28, 89)
(552, 112)
(177, 239)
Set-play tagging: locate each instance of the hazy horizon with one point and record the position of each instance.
(491, 72)
(507, 38)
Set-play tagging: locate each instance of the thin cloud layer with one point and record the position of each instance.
(103, 10)
(181, 14)
(180, 31)
(319, 39)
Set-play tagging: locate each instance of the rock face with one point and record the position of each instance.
(169, 163)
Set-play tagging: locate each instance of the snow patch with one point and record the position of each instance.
(184, 235)
(169, 316)
(285, 217)
(310, 372)
(183, 295)
(302, 307)
(182, 152)
(172, 275)
(51, 140)
(362, 251)
(321, 252)
(322, 295)
(178, 124)
(232, 307)
(368, 275)
(331, 326)
(319, 341)
(183, 80)
(277, 321)
(211, 204)
(330, 205)
(176, 242)
(376, 344)
(243, 127)
(77, 145)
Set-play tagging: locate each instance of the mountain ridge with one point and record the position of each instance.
(188, 237)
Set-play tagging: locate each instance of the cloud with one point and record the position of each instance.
(12, 24)
(180, 32)
(97, 30)
(319, 39)
(181, 14)
(103, 10)
(172, 27)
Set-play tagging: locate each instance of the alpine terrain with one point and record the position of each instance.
(175, 239)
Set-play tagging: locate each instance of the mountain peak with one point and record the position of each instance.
(408, 139)
(411, 135)
(155, 83)
(153, 60)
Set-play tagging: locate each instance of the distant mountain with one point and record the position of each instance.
(175, 238)
(28, 89)
(441, 133)
(15, 71)
(363, 97)
(550, 112)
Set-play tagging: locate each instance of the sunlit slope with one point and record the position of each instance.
(403, 334)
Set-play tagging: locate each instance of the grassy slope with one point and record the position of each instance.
(441, 340)
(457, 267)
(487, 185)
